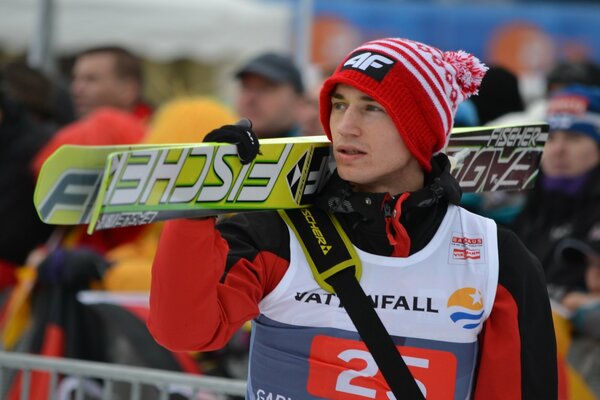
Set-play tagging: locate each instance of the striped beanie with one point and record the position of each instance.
(575, 109)
(419, 86)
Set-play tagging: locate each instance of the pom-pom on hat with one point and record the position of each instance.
(419, 86)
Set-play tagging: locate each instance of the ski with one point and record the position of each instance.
(501, 158)
(69, 180)
(113, 186)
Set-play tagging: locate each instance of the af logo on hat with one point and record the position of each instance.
(373, 64)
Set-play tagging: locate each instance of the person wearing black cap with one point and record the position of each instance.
(585, 302)
(270, 94)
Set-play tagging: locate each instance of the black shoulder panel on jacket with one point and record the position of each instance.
(522, 275)
(248, 233)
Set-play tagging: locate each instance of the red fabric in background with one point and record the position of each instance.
(106, 126)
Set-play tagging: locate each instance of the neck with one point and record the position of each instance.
(409, 179)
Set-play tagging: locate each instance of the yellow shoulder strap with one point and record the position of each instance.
(326, 246)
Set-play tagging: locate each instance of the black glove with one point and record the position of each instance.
(241, 135)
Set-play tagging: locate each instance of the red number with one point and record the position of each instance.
(344, 369)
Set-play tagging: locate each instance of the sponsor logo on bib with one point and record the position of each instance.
(466, 307)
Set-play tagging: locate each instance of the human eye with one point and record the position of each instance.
(374, 107)
(574, 137)
(338, 105)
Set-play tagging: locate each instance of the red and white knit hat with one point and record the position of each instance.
(419, 86)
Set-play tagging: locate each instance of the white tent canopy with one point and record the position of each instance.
(203, 30)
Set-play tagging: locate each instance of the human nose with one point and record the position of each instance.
(556, 145)
(554, 149)
(349, 122)
(77, 86)
(247, 94)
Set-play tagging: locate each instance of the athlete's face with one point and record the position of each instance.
(368, 149)
(569, 154)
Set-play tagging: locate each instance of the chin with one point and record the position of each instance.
(560, 174)
(351, 177)
(344, 173)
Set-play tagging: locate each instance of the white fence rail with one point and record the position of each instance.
(94, 380)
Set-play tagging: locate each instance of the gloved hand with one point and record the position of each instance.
(241, 135)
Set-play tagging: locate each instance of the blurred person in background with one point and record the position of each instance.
(109, 76)
(565, 201)
(46, 101)
(22, 230)
(106, 90)
(271, 90)
(20, 139)
(578, 310)
(187, 119)
(308, 116)
(498, 95)
(26, 124)
(566, 73)
(563, 74)
(583, 302)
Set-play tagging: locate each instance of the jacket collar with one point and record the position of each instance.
(338, 197)
(365, 216)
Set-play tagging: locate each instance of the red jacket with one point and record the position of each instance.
(207, 282)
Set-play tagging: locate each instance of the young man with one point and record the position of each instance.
(463, 300)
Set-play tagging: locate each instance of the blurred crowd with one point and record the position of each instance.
(66, 293)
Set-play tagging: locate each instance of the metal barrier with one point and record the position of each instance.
(89, 373)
